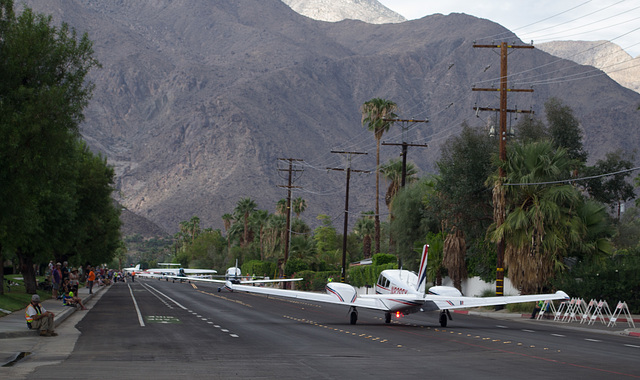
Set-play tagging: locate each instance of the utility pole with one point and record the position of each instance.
(405, 144)
(346, 209)
(503, 147)
(288, 187)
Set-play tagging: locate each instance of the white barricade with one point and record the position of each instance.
(547, 307)
(621, 308)
(602, 312)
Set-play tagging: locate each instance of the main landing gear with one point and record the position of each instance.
(444, 316)
(387, 317)
(353, 315)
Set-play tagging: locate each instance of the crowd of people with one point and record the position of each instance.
(64, 283)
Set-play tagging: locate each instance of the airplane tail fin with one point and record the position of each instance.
(422, 273)
(137, 267)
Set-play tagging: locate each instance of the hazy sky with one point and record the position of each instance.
(544, 20)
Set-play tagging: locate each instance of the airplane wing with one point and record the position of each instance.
(344, 294)
(447, 302)
(199, 271)
(241, 281)
(332, 296)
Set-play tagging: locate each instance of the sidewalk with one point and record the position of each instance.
(620, 328)
(14, 325)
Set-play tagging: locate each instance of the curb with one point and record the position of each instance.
(59, 318)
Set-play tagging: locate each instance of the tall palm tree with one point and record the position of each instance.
(281, 207)
(542, 221)
(374, 115)
(228, 219)
(364, 228)
(244, 208)
(299, 205)
(259, 219)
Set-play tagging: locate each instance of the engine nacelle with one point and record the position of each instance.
(447, 291)
(342, 292)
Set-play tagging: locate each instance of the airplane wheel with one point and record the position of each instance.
(354, 317)
(443, 320)
(387, 317)
(219, 290)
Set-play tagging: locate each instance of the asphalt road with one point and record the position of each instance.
(175, 330)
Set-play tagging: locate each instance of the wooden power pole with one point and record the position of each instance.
(343, 271)
(503, 143)
(289, 186)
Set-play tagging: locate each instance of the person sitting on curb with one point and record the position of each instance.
(70, 299)
(39, 318)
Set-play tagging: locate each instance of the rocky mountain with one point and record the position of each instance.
(603, 55)
(198, 101)
(370, 11)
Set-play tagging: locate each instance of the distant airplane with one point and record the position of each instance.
(133, 270)
(169, 272)
(233, 275)
(399, 292)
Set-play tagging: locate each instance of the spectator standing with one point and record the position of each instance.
(91, 279)
(56, 280)
(39, 318)
(65, 270)
(74, 279)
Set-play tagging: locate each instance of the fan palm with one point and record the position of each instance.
(541, 220)
(375, 114)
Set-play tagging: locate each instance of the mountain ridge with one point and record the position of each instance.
(197, 101)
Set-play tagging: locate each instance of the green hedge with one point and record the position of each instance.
(315, 281)
(367, 275)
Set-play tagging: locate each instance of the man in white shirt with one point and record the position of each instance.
(39, 318)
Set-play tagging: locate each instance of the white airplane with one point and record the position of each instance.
(233, 275)
(401, 292)
(134, 270)
(169, 272)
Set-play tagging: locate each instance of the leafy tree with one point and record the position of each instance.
(564, 129)
(461, 200)
(325, 236)
(43, 91)
(612, 190)
(375, 114)
(413, 219)
(530, 129)
(392, 172)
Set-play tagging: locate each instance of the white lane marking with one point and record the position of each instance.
(593, 340)
(234, 336)
(169, 298)
(560, 335)
(525, 330)
(210, 322)
(158, 297)
(224, 330)
(501, 327)
(136, 305)
(632, 345)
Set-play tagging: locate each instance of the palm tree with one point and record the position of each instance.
(364, 228)
(542, 221)
(281, 207)
(227, 219)
(244, 208)
(375, 114)
(299, 205)
(260, 219)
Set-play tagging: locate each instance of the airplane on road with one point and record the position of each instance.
(233, 275)
(401, 292)
(134, 270)
(169, 272)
